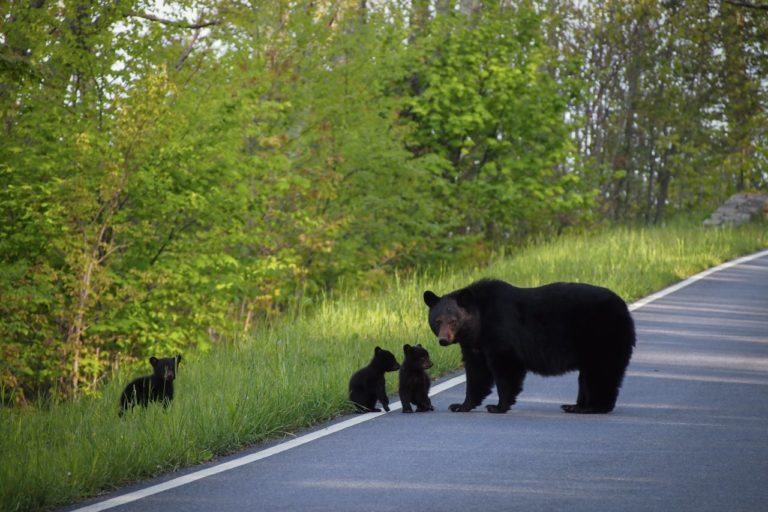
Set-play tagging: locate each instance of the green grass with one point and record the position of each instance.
(294, 373)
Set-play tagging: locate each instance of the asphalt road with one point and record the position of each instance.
(689, 433)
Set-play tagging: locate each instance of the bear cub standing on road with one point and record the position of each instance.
(367, 385)
(414, 381)
(505, 332)
(151, 388)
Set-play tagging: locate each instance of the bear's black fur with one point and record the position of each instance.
(505, 332)
(367, 384)
(414, 381)
(151, 388)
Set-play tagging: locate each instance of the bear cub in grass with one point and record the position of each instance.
(157, 387)
(367, 384)
(414, 381)
(505, 332)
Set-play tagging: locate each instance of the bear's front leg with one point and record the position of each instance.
(509, 374)
(381, 394)
(479, 380)
(405, 398)
(423, 403)
(464, 407)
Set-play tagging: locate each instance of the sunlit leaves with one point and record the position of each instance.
(489, 108)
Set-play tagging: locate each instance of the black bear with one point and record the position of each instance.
(505, 331)
(367, 384)
(151, 388)
(414, 381)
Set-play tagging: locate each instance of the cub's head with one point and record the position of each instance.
(165, 367)
(452, 317)
(417, 356)
(385, 360)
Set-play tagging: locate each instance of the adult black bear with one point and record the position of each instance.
(367, 384)
(414, 381)
(157, 387)
(505, 332)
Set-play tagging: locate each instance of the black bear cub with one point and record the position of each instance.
(505, 332)
(157, 387)
(414, 381)
(367, 385)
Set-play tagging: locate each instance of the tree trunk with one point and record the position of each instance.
(741, 94)
(661, 199)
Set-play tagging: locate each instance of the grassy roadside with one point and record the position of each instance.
(294, 373)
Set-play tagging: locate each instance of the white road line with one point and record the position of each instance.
(701, 275)
(253, 457)
(313, 436)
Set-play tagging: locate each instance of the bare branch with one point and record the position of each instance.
(170, 238)
(748, 5)
(176, 23)
(109, 251)
(188, 49)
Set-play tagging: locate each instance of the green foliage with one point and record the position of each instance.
(487, 106)
(172, 177)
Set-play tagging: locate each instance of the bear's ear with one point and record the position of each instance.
(430, 299)
(153, 361)
(465, 299)
(377, 350)
(406, 349)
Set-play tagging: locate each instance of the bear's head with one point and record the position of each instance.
(416, 357)
(453, 317)
(385, 360)
(165, 367)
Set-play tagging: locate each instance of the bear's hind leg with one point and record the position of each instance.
(370, 405)
(598, 392)
(581, 399)
(364, 401)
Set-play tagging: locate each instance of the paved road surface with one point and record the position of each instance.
(690, 433)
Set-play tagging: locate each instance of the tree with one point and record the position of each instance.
(494, 120)
(671, 121)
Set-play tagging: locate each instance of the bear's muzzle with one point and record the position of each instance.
(444, 342)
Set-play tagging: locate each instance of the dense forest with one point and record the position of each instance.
(172, 173)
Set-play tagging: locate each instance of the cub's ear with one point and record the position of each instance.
(430, 299)
(465, 299)
(406, 349)
(153, 361)
(377, 350)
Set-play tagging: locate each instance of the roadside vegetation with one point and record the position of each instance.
(174, 174)
(293, 372)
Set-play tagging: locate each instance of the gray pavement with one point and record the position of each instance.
(689, 433)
